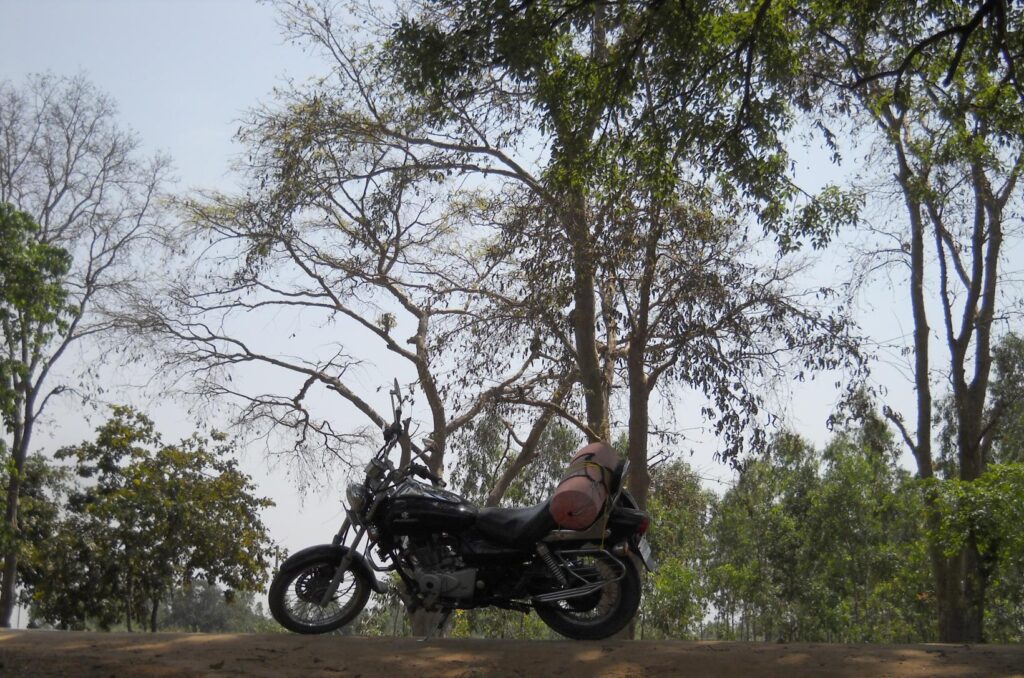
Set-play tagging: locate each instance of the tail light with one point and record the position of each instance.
(644, 525)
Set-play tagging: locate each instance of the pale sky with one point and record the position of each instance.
(184, 72)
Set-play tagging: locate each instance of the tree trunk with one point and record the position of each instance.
(423, 623)
(10, 573)
(19, 450)
(975, 585)
(529, 452)
(129, 601)
(960, 589)
(153, 613)
(640, 384)
(584, 321)
(639, 394)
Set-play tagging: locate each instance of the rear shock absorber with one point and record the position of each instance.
(545, 554)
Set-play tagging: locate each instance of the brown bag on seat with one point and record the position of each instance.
(581, 494)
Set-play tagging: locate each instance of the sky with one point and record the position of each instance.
(184, 73)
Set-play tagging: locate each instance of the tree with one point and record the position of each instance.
(32, 310)
(871, 581)
(987, 509)
(987, 513)
(822, 546)
(152, 518)
(207, 608)
(992, 25)
(955, 143)
(342, 224)
(32, 304)
(485, 456)
(709, 310)
(552, 69)
(66, 164)
(44, 488)
(675, 600)
(460, 90)
(1007, 395)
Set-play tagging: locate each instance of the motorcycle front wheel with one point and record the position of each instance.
(600, 614)
(299, 586)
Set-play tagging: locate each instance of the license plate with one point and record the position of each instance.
(645, 554)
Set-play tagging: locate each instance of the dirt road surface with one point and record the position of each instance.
(112, 655)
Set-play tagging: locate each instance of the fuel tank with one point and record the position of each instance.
(416, 508)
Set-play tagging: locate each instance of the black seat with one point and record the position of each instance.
(519, 527)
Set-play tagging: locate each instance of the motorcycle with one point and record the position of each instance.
(450, 554)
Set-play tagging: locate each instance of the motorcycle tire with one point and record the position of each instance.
(608, 613)
(299, 586)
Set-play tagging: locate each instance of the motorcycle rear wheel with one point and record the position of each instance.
(299, 586)
(596, 616)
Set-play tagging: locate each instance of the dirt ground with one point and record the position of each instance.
(99, 655)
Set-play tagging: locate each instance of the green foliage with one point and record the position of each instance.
(822, 547)
(32, 302)
(485, 450)
(44, 488)
(821, 218)
(147, 518)
(1007, 395)
(202, 607)
(675, 599)
(499, 624)
(989, 513)
(385, 615)
(674, 78)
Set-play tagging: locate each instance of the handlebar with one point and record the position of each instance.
(391, 431)
(424, 472)
(396, 428)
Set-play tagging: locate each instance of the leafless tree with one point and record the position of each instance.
(345, 225)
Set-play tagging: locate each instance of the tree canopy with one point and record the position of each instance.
(144, 520)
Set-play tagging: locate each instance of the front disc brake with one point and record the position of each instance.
(311, 584)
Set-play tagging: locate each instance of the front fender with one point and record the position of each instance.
(338, 551)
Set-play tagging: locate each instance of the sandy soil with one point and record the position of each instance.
(96, 655)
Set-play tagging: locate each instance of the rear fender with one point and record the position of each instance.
(624, 522)
(338, 551)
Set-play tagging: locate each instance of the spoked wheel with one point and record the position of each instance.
(298, 589)
(601, 613)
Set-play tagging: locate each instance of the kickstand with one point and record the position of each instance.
(434, 630)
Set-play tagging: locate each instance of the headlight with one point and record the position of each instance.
(357, 496)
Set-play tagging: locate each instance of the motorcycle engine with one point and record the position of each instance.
(439, 572)
(457, 585)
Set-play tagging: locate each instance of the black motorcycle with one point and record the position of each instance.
(450, 555)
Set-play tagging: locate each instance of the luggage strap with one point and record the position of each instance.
(582, 466)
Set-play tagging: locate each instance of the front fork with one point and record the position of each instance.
(339, 538)
(346, 559)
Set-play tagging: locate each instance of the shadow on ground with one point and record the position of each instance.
(112, 655)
